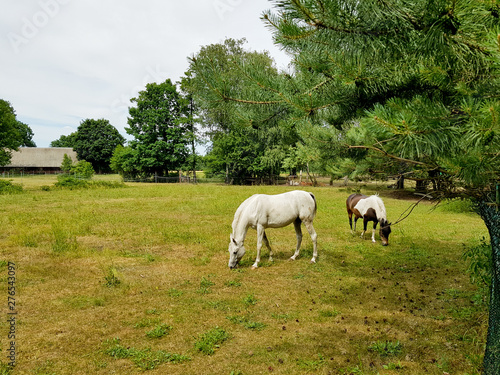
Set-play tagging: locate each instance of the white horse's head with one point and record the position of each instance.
(236, 252)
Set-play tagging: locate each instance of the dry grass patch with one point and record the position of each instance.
(135, 279)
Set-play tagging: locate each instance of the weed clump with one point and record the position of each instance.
(205, 285)
(63, 241)
(111, 279)
(208, 342)
(159, 331)
(145, 359)
(247, 323)
(386, 348)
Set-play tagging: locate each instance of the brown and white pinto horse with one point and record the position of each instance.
(370, 208)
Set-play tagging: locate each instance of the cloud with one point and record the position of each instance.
(68, 60)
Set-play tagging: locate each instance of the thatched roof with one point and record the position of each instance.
(36, 157)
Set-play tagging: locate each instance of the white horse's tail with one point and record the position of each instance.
(315, 204)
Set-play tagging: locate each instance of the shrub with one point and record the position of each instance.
(70, 182)
(83, 169)
(67, 164)
(7, 187)
(480, 264)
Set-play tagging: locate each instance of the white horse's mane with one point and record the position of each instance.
(373, 201)
(240, 210)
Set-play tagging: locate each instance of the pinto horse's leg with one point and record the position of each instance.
(260, 235)
(373, 231)
(266, 241)
(298, 232)
(314, 237)
(365, 224)
(350, 221)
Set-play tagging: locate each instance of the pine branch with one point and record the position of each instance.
(385, 153)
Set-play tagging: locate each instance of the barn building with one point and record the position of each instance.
(38, 160)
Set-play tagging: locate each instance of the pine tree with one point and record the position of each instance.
(421, 80)
(415, 82)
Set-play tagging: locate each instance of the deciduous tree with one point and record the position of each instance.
(65, 141)
(249, 135)
(13, 133)
(95, 141)
(159, 131)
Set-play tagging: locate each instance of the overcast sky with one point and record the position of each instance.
(63, 61)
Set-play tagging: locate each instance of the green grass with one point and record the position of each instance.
(386, 348)
(159, 331)
(148, 263)
(144, 359)
(208, 342)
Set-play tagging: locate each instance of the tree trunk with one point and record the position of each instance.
(491, 363)
(421, 186)
(400, 183)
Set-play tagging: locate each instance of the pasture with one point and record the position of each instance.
(135, 280)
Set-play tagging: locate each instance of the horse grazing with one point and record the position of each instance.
(370, 209)
(262, 211)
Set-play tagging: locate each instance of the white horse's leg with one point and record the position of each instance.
(314, 237)
(260, 235)
(266, 241)
(298, 232)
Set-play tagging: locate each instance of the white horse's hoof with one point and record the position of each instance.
(291, 259)
(313, 261)
(254, 267)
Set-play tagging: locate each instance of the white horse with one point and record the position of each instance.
(262, 211)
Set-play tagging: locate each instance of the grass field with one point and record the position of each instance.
(134, 279)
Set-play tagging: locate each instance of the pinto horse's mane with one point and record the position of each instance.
(373, 201)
